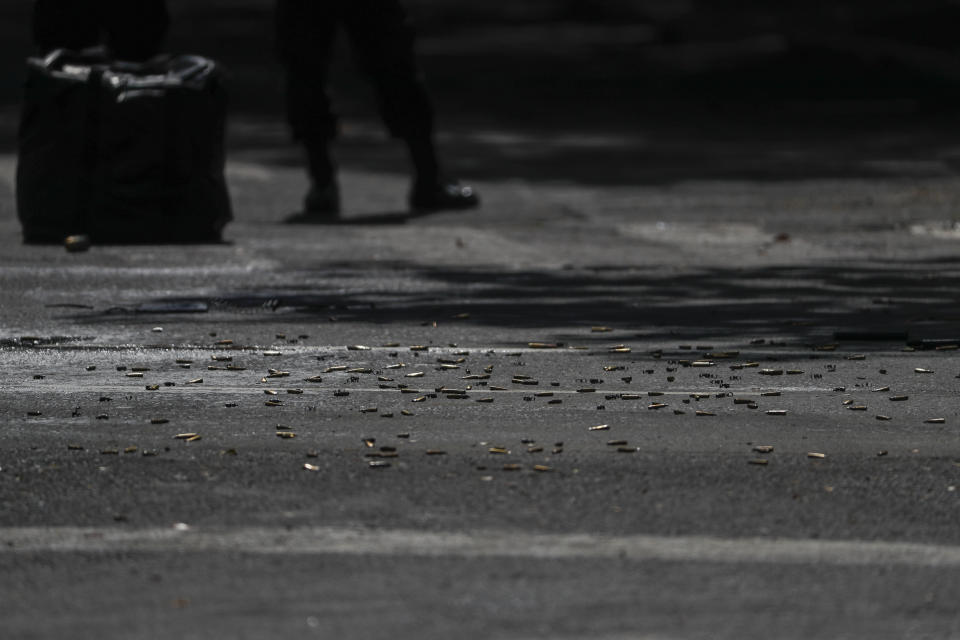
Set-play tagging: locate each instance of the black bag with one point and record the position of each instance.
(123, 152)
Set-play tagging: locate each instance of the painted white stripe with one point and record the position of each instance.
(477, 544)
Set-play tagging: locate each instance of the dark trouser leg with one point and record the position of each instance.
(131, 30)
(135, 30)
(65, 24)
(383, 38)
(305, 34)
(310, 117)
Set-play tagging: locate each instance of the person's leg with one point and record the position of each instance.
(134, 30)
(305, 35)
(65, 24)
(383, 38)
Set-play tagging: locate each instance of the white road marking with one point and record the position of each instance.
(477, 544)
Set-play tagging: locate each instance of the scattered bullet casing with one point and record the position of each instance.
(77, 243)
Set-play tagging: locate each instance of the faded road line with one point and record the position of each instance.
(478, 544)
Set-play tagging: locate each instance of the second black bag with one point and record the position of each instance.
(122, 152)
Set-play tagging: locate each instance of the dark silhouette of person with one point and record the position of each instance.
(382, 36)
(130, 29)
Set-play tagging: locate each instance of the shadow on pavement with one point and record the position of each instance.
(802, 303)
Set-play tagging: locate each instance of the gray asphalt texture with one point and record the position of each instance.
(470, 356)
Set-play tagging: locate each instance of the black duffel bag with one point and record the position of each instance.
(122, 152)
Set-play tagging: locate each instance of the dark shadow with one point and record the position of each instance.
(806, 305)
(145, 242)
(382, 218)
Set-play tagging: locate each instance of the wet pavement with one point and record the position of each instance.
(652, 409)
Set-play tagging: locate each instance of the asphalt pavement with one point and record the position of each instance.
(707, 392)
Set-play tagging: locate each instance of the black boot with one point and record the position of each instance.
(442, 195)
(430, 191)
(322, 202)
